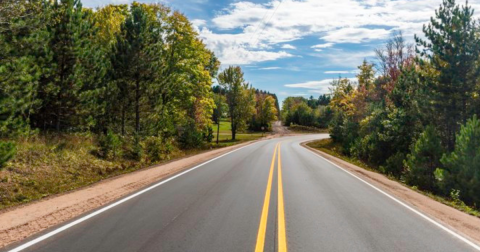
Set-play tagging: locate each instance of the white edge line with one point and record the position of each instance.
(73, 223)
(475, 246)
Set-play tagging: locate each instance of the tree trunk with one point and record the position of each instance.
(218, 128)
(137, 107)
(123, 120)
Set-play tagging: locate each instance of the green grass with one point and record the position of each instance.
(225, 135)
(331, 148)
(306, 129)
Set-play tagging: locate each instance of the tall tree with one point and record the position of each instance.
(59, 86)
(22, 35)
(240, 97)
(451, 49)
(266, 111)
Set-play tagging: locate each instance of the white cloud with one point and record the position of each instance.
(269, 68)
(355, 35)
(321, 87)
(199, 22)
(288, 46)
(344, 59)
(326, 45)
(233, 49)
(263, 25)
(341, 72)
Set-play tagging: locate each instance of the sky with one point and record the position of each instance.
(296, 47)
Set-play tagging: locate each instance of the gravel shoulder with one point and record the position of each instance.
(458, 221)
(20, 222)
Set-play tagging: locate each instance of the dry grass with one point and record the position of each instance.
(53, 164)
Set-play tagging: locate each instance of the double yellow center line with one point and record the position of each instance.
(282, 239)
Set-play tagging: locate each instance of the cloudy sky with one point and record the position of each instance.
(295, 47)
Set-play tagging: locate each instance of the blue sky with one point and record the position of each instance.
(295, 47)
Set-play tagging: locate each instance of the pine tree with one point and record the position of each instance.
(424, 159)
(462, 166)
(59, 86)
(21, 26)
(451, 48)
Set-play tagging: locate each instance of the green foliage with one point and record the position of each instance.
(312, 112)
(109, 144)
(240, 98)
(157, 149)
(424, 159)
(394, 165)
(7, 152)
(382, 120)
(190, 138)
(462, 166)
(450, 51)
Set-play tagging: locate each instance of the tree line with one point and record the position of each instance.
(414, 113)
(134, 73)
(307, 112)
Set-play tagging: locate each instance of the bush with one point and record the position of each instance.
(424, 159)
(190, 138)
(156, 150)
(109, 145)
(7, 152)
(462, 166)
(394, 165)
(208, 135)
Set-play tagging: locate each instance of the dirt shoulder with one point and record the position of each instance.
(20, 222)
(462, 223)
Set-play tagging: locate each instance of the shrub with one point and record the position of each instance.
(7, 152)
(190, 138)
(424, 159)
(109, 145)
(462, 166)
(394, 165)
(156, 150)
(208, 134)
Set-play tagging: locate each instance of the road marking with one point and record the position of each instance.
(263, 219)
(282, 237)
(71, 224)
(473, 245)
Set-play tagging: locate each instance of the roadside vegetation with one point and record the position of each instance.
(89, 94)
(413, 115)
(334, 149)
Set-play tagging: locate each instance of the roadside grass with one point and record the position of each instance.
(225, 135)
(306, 129)
(52, 164)
(329, 147)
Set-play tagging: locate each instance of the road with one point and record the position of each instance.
(273, 195)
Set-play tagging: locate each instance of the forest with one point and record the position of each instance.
(109, 89)
(413, 113)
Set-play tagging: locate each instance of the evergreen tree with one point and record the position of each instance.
(462, 166)
(21, 26)
(424, 159)
(451, 49)
(59, 85)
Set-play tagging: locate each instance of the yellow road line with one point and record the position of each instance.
(282, 237)
(263, 220)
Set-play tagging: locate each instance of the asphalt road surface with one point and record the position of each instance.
(273, 195)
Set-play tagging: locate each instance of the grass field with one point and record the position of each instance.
(225, 135)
